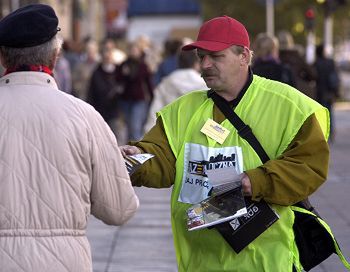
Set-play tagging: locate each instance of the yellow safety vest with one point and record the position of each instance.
(275, 112)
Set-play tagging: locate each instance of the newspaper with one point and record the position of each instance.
(216, 209)
(225, 203)
(133, 162)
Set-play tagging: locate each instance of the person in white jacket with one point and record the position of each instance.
(181, 81)
(59, 161)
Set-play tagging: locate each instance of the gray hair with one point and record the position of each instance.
(237, 49)
(43, 54)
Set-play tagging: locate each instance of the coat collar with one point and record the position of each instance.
(28, 78)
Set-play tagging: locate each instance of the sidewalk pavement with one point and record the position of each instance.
(145, 243)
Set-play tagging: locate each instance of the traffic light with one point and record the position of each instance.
(310, 19)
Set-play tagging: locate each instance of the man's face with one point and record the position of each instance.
(220, 70)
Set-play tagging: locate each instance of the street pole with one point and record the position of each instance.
(270, 19)
(311, 37)
(328, 35)
(310, 47)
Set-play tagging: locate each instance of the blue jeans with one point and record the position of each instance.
(135, 114)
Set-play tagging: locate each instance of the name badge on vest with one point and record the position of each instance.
(215, 131)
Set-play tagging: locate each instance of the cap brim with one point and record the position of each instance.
(206, 45)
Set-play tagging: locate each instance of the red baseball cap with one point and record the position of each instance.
(220, 33)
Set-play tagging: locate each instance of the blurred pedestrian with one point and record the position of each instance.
(135, 78)
(290, 55)
(150, 52)
(59, 160)
(169, 62)
(119, 54)
(192, 134)
(179, 82)
(63, 74)
(103, 90)
(266, 61)
(71, 51)
(83, 70)
(327, 83)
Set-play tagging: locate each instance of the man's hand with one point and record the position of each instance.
(246, 185)
(129, 150)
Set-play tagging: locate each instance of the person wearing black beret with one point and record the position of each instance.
(28, 26)
(21, 34)
(59, 160)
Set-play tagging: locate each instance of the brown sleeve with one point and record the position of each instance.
(158, 172)
(298, 172)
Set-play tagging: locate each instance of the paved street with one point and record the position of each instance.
(144, 244)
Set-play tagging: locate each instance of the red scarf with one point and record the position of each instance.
(33, 68)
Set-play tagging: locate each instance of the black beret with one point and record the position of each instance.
(28, 26)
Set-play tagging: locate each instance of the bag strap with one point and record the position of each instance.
(246, 133)
(243, 130)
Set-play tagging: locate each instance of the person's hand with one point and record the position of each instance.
(129, 150)
(246, 185)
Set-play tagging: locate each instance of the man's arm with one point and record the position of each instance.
(298, 172)
(112, 196)
(158, 172)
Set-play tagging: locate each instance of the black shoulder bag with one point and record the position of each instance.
(315, 244)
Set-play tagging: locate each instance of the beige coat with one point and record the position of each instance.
(59, 162)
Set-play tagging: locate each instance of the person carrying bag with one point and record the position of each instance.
(314, 237)
(192, 135)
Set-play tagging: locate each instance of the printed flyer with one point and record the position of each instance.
(133, 162)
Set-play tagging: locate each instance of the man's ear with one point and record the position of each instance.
(245, 57)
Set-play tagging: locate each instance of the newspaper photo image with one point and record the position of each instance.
(216, 209)
(133, 162)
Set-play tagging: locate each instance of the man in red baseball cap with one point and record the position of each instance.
(220, 33)
(227, 39)
(193, 135)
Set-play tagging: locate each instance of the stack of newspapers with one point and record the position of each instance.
(225, 202)
(237, 218)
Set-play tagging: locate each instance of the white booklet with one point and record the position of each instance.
(225, 203)
(133, 162)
